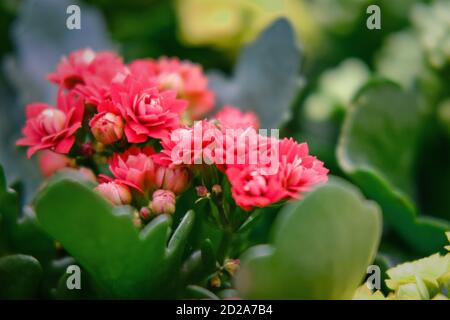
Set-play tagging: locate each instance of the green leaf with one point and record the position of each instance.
(124, 261)
(321, 248)
(274, 53)
(377, 149)
(86, 291)
(21, 233)
(197, 292)
(20, 277)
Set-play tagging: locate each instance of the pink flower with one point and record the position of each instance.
(134, 168)
(261, 185)
(163, 202)
(173, 179)
(299, 171)
(147, 111)
(233, 118)
(200, 144)
(51, 162)
(116, 193)
(251, 187)
(89, 72)
(107, 127)
(185, 77)
(244, 148)
(52, 128)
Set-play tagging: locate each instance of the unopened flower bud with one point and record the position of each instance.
(175, 180)
(215, 282)
(145, 213)
(107, 127)
(115, 193)
(87, 150)
(231, 266)
(163, 201)
(136, 219)
(201, 191)
(216, 189)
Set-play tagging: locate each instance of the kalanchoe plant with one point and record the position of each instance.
(155, 195)
(122, 118)
(137, 135)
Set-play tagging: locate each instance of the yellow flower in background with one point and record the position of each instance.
(432, 269)
(448, 237)
(228, 24)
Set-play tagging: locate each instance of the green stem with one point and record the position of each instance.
(224, 247)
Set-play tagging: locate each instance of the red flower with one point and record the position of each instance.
(290, 172)
(299, 171)
(233, 118)
(134, 168)
(251, 187)
(200, 144)
(147, 111)
(244, 148)
(52, 128)
(185, 77)
(89, 73)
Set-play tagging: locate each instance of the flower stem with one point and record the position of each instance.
(224, 247)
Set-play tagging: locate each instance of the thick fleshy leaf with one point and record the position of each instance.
(21, 232)
(86, 290)
(20, 277)
(196, 292)
(377, 149)
(124, 261)
(274, 53)
(321, 248)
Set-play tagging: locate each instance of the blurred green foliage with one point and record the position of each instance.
(148, 28)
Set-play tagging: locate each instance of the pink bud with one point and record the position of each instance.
(163, 201)
(87, 149)
(175, 180)
(52, 120)
(107, 127)
(51, 162)
(116, 193)
(201, 191)
(216, 188)
(231, 265)
(145, 213)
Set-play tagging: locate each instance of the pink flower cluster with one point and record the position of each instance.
(115, 116)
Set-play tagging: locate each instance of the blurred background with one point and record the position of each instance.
(338, 55)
